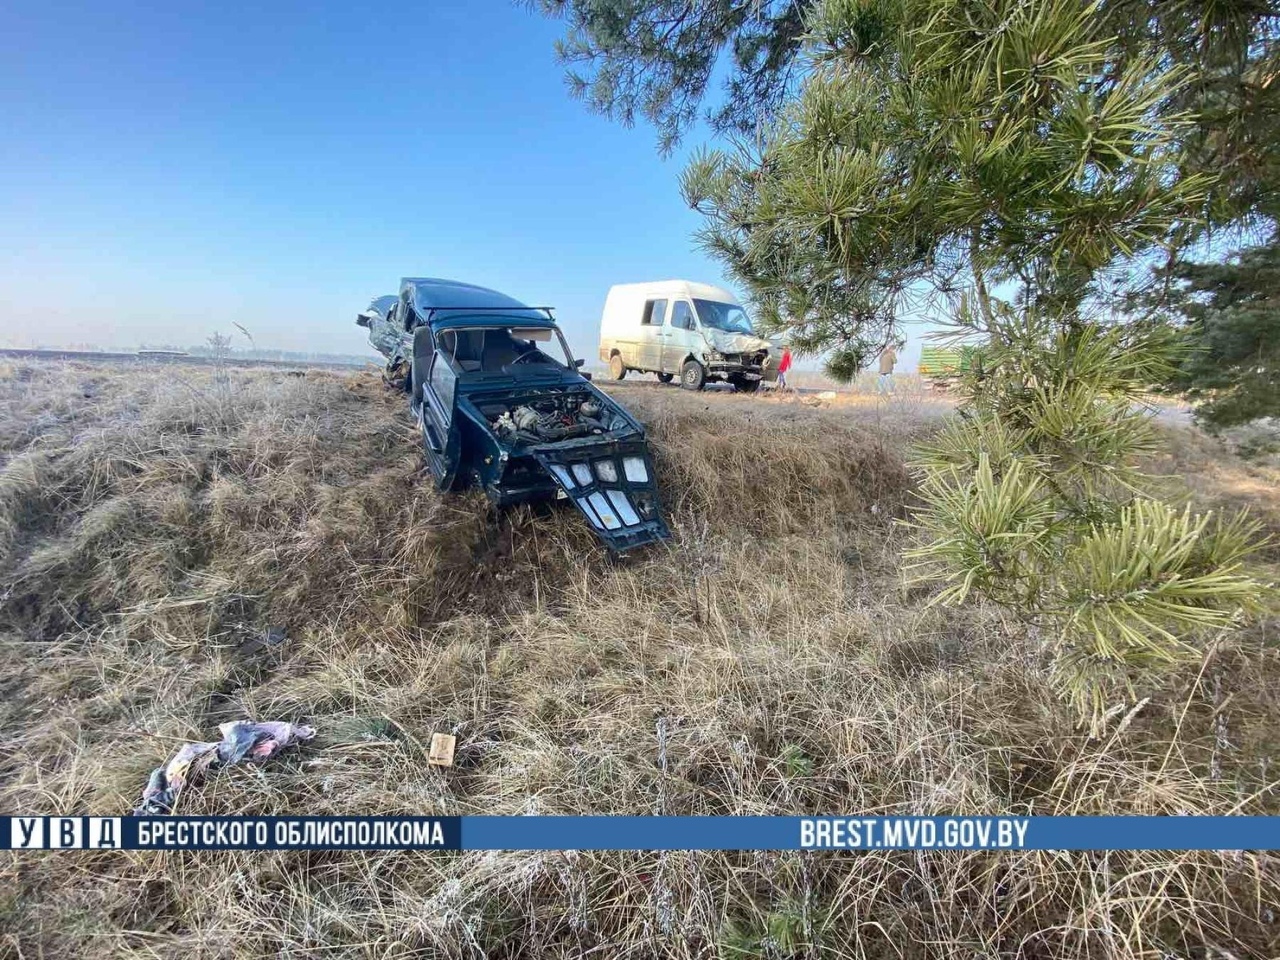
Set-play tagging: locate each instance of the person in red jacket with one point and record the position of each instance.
(783, 366)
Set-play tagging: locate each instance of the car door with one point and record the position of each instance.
(682, 337)
(405, 315)
(436, 417)
(652, 333)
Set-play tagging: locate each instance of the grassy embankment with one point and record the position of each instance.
(154, 521)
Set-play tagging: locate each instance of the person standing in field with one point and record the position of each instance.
(888, 358)
(783, 366)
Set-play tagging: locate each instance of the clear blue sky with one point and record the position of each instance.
(170, 168)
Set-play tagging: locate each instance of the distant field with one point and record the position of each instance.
(155, 520)
(163, 357)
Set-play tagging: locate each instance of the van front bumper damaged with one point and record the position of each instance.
(750, 371)
(748, 365)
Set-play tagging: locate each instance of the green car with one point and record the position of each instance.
(503, 407)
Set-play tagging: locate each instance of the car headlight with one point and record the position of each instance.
(634, 469)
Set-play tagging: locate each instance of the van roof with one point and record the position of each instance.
(678, 288)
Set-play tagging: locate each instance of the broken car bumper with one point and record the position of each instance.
(612, 482)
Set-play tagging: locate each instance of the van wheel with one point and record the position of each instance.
(666, 377)
(616, 369)
(743, 385)
(692, 375)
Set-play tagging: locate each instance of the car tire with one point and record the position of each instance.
(666, 377)
(693, 375)
(616, 368)
(743, 385)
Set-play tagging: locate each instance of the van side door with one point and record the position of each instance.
(682, 337)
(652, 333)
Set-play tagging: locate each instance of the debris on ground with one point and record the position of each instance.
(271, 637)
(241, 740)
(442, 747)
(360, 730)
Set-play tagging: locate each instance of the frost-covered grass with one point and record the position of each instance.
(769, 661)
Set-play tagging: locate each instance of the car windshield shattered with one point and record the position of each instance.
(509, 351)
(723, 316)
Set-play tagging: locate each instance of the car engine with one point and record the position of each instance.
(545, 419)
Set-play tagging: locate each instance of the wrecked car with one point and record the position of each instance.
(387, 335)
(503, 406)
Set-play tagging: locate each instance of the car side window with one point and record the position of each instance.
(443, 380)
(682, 315)
(423, 345)
(654, 312)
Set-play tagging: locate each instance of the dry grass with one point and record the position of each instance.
(1205, 467)
(768, 662)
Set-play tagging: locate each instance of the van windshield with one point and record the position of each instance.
(723, 316)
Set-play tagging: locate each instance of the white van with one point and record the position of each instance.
(679, 328)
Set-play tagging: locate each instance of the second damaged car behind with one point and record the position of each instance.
(502, 406)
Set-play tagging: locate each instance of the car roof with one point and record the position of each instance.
(466, 304)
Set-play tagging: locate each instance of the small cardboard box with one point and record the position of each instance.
(442, 746)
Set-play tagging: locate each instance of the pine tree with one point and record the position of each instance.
(1230, 313)
(1032, 499)
(940, 146)
(1003, 156)
(1011, 160)
(656, 58)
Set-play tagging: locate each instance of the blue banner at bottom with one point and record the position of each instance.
(640, 833)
